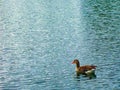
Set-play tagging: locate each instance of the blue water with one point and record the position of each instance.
(40, 38)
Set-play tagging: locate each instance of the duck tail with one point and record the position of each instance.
(94, 67)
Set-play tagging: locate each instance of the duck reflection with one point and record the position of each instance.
(90, 76)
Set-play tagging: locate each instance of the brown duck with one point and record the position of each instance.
(86, 69)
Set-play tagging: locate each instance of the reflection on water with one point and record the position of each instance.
(90, 76)
(40, 38)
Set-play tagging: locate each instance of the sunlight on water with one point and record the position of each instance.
(39, 39)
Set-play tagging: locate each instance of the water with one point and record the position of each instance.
(40, 38)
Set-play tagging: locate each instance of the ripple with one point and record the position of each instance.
(40, 39)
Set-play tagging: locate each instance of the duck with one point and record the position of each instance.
(85, 70)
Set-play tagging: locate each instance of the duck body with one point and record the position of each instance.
(86, 69)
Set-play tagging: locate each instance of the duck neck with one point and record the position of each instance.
(77, 65)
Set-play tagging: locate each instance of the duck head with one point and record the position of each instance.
(76, 61)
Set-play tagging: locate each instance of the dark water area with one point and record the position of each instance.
(40, 38)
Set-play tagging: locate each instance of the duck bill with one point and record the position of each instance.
(73, 62)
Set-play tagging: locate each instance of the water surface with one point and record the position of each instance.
(40, 38)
